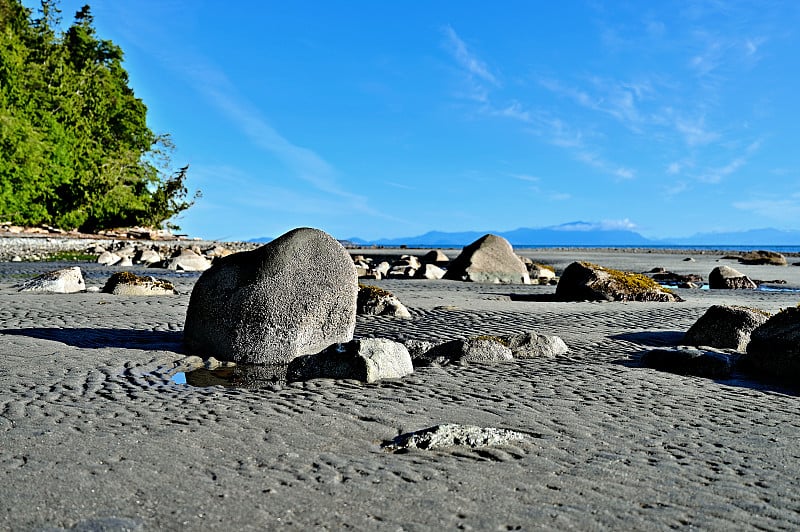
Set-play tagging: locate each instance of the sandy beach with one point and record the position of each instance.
(94, 434)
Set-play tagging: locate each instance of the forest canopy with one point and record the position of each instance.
(75, 148)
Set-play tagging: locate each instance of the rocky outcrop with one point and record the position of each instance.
(727, 278)
(367, 360)
(725, 327)
(430, 272)
(375, 301)
(774, 347)
(449, 435)
(294, 296)
(130, 284)
(490, 259)
(584, 281)
(64, 281)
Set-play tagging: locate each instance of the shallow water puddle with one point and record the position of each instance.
(239, 376)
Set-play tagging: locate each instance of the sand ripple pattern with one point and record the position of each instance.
(93, 429)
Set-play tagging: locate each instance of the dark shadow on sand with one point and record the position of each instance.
(652, 338)
(96, 338)
(540, 298)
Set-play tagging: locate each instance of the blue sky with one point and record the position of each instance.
(390, 119)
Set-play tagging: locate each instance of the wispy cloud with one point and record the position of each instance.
(716, 175)
(467, 59)
(782, 209)
(605, 225)
(594, 160)
(695, 132)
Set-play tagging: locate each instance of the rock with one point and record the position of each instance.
(188, 261)
(129, 284)
(533, 345)
(479, 349)
(435, 256)
(670, 278)
(490, 259)
(108, 258)
(763, 257)
(451, 435)
(418, 348)
(683, 361)
(429, 271)
(689, 259)
(583, 281)
(544, 274)
(16, 258)
(774, 346)
(65, 281)
(367, 360)
(148, 257)
(725, 277)
(293, 296)
(725, 327)
(217, 252)
(383, 268)
(375, 301)
(124, 262)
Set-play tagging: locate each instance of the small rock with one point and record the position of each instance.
(533, 345)
(188, 261)
(429, 271)
(479, 349)
(452, 435)
(375, 301)
(16, 258)
(108, 258)
(367, 360)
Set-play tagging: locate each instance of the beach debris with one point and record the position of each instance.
(367, 360)
(64, 281)
(725, 327)
(490, 259)
(690, 361)
(727, 278)
(584, 281)
(476, 350)
(448, 435)
(375, 301)
(763, 257)
(774, 346)
(429, 271)
(130, 284)
(187, 260)
(533, 345)
(293, 296)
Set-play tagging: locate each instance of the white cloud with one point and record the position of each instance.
(694, 132)
(674, 168)
(525, 177)
(604, 225)
(784, 209)
(469, 61)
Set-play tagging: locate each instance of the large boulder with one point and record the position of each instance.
(725, 327)
(582, 281)
(65, 281)
(294, 296)
(490, 259)
(727, 278)
(367, 360)
(774, 346)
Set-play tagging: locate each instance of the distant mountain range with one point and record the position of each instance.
(586, 234)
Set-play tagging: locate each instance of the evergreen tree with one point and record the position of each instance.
(75, 148)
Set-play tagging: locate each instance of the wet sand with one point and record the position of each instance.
(93, 433)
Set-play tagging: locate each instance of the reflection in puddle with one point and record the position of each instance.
(239, 376)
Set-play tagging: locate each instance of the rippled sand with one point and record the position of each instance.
(94, 433)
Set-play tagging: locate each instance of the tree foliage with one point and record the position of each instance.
(75, 148)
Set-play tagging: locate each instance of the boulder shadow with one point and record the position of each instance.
(97, 338)
(540, 298)
(652, 338)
